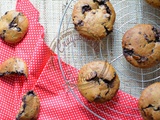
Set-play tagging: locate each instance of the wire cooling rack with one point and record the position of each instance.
(55, 16)
(77, 51)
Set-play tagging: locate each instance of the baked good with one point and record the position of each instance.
(141, 45)
(13, 26)
(149, 102)
(93, 19)
(13, 66)
(30, 107)
(154, 3)
(98, 81)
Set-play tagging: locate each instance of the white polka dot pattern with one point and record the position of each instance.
(46, 79)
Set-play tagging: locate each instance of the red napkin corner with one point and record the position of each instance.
(45, 77)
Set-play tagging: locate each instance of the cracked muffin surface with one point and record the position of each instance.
(30, 107)
(141, 45)
(13, 26)
(98, 81)
(149, 102)
(93, 19)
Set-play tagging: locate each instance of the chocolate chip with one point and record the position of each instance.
(18, 29)
(30, 92)
(24, 106)
(149, 106)
(107, 31)
(21, 72)
(110, 83)
(13, 23)
(6, 13)
(19, 115)
(107, 9)
(93, 12)
(154, 29)
(20, 14)
(157, 34)
(1, 74)
(80, 23)
(152, 51)
(100, 2)
(2, 36)
(4, 31)
(23, 98)
(91, 76)
(97, 97)
(157, 109)
(86, 8)
(147, 39)
(103, 2)
(127, 52)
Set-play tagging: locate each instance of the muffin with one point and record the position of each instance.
(154, 3)
(13, 26)
(141, 46)
(149, 102)
(98, 81)
(13, 66)
(30, 107)
(93, 19)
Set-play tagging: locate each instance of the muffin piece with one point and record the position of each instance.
(154, 3)
(13, 26)
(93, 19)
(149, 102)
(98, 81)
(30, 107)
(13, 66)
(141, 45)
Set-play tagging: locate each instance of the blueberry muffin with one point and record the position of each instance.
(98, 81)
(93, 19)
(155, 3)
(149, 102)
(141, 45)
(13, 26)
(30, 107)
(12, 66)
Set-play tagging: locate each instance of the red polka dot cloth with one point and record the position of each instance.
(45, 77)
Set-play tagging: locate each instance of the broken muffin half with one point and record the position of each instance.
(13, 66)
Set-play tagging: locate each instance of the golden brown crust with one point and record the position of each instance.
(141, 46)
(154, 3)
(98, 81)
(149, 102)
(13, 26)
(13, 66)
(30, 107)
(93, 19)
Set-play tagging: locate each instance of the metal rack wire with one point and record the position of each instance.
(77, 51)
